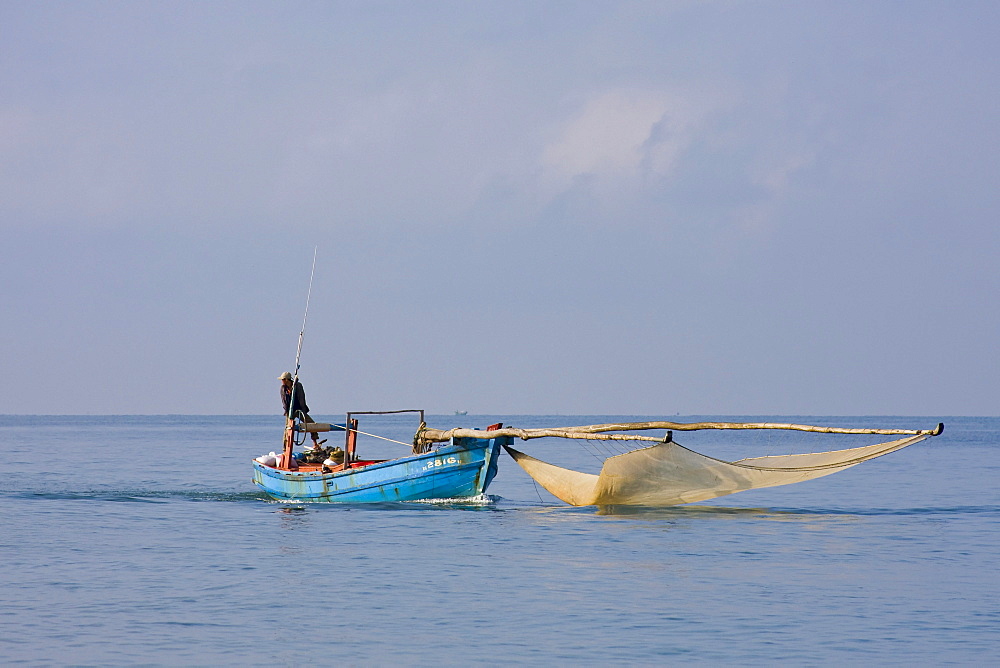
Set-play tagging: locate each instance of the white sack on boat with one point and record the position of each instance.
(268, 460)
(668, 474)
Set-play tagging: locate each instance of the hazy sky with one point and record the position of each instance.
(520, 207)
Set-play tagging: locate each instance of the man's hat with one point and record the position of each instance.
(285, 376)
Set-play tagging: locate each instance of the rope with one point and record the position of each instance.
(391, 440)
(591, 448)
(302, 435)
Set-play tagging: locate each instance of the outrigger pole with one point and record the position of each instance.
(290, 418)
(596, 432)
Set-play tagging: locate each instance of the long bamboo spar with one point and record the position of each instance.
(597, 431)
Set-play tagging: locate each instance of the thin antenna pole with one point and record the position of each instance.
(305, 316)
(302, 332)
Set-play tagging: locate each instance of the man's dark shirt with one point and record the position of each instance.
(298, 401)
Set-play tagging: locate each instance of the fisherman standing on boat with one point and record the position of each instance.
(295, 399)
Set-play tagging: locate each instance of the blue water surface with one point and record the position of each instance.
(134, 540)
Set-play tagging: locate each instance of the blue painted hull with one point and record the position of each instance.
(462, 469)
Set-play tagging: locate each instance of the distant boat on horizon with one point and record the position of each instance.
(461, 412)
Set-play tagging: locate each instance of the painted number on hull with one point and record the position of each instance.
(439, 462)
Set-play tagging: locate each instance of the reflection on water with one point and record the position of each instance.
(678, 512)
(683, 514)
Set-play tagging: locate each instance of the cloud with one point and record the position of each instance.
(630, 134)
(678, 156)
(607, 135)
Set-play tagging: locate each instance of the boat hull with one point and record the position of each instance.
(462, 469)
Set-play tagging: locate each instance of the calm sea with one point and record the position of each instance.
(141, 541)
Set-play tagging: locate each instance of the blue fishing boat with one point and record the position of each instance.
(458, 469)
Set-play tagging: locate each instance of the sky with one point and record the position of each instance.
(634, 208)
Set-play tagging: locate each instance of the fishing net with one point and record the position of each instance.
(668, 474)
